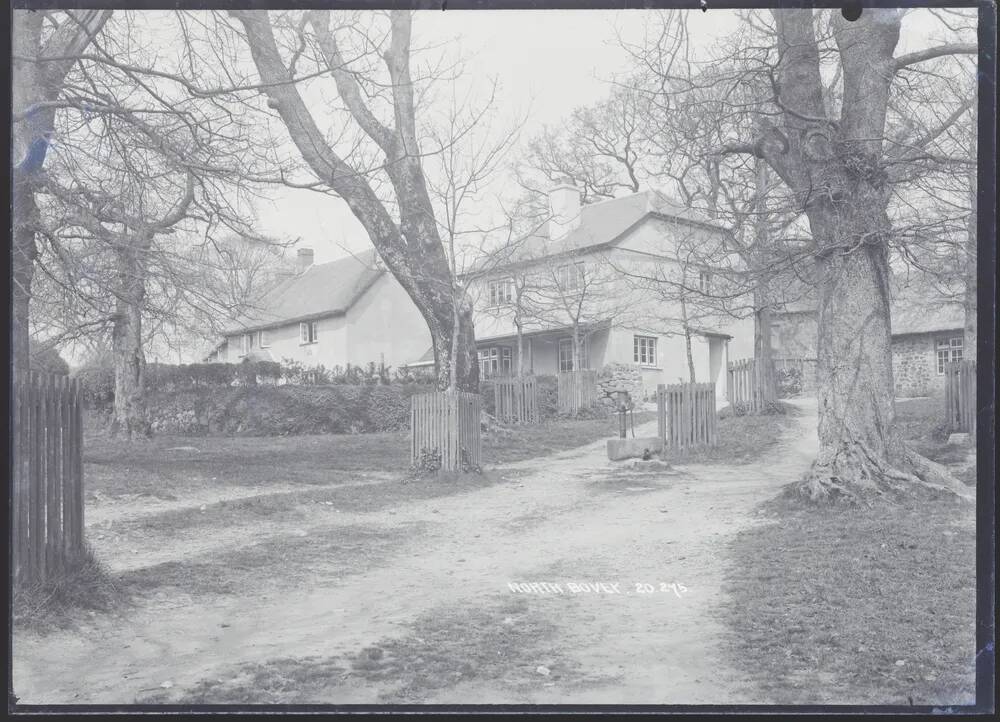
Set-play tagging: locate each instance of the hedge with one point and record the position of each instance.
(284, 410)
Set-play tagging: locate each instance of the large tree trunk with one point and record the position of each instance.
(34, 84)
(130, 418)
(764, 382)
(970, 300)
(412, 248)
(837, 170)
(23, 250)
(763, 354)
(29, 145)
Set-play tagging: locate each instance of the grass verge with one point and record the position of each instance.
(741, 438)
(60, 601)
(921, 423)
(856, 606)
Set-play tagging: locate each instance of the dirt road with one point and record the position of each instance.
(572, 519)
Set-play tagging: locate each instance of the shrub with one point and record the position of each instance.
(47, 359)
(789, 381)
(548, 396)
(288, 409)
(97, 382)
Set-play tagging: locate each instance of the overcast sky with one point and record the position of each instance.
(547, 62)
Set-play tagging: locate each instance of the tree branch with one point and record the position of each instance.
(920, 56)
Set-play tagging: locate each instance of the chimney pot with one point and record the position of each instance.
(303, 259)
(564, 207)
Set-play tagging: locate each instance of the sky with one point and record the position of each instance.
(547, 62)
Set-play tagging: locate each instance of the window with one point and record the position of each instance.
(570, 276)
(308, 332)
(566, 355)
(262, 339)
(948, 349)
(246, 343)
(644, 350)
(704, 281)
(494, 360)
(501, 292)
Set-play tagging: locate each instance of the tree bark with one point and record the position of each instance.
(130, 419)
(412, 249)
(687, 340)
(837, 170)
(763, 354)
(33, 85)
(971, 269)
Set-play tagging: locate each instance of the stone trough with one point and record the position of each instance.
(621, 449)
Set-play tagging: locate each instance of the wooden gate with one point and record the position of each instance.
(577, 390)
(446, 423)
(742, 387)
(687, 416)
(960, 396)
(47, 499)
(516, 400)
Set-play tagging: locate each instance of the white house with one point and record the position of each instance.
(348, 311)
(610, 251)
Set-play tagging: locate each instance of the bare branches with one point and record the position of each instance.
(920, 56)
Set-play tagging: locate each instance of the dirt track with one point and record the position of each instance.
(571, 519)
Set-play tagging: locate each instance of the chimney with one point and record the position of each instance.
(303, 259)
(564, 205)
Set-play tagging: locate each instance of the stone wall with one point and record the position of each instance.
(617, 377)
(914, 366)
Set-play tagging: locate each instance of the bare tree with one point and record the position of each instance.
(410, 245)
(828, 146)
(45, 48)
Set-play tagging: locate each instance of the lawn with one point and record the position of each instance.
(857, 606)
(167, 466)
(741, 438)
(860, 605)
(921, 422)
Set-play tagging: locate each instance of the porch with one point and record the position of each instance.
(542, 352)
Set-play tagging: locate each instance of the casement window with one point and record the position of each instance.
(704, 281)
(948, 349)
(494, 361)
(263, 339)
(500, 292)
(566, 361)
(308, 332)
(246, 343)
(570, 276)
(644, 350)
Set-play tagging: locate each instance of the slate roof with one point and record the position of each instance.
(602, 223)
(917, 316)
(322, 290)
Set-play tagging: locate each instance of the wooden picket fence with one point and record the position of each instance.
(448, 423)
(960, 396)
(577, 390)
(47, 456)
(687, 416)
(516, 400)
(742, 388)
